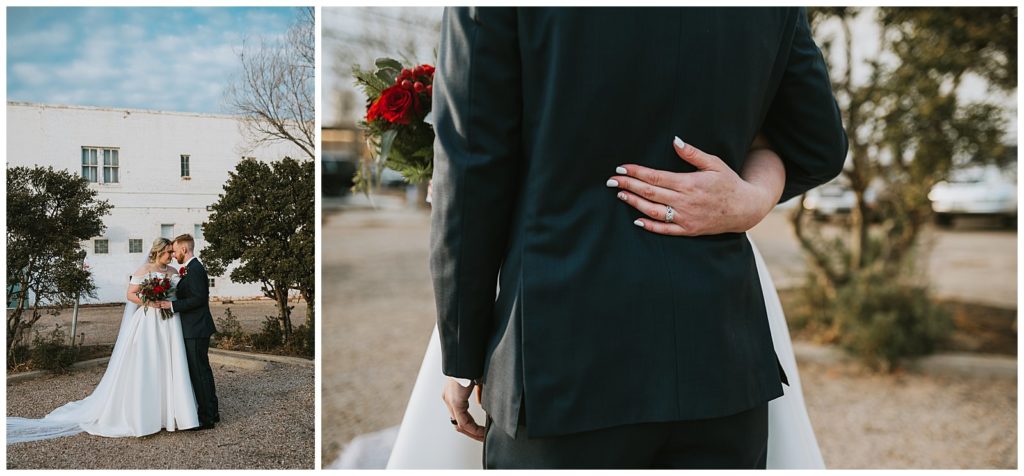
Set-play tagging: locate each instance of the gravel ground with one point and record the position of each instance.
(101, 323)
(267, 422)
(379, 314)
(869, 421)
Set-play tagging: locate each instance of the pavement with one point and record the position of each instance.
(267, 421)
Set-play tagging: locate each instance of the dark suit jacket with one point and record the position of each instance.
(194, 302)
(597, 322)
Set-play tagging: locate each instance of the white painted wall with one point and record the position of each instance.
(150, 191)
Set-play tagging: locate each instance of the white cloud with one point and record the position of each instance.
(31, 74)
(168, 61)
(26, 44)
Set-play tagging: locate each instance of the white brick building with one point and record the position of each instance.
(159, 170)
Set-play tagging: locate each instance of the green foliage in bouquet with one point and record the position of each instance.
(397, 134)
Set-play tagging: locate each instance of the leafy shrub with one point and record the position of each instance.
(303, 341)
(270, 338)
(879, 320)
(52, 351)
(270, 335)
(18, 358)
(229, 333)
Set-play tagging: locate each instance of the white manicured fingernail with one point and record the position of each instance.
(612, 183)
(620, 170)
(679, 143)
(621, 195)
(639, 223)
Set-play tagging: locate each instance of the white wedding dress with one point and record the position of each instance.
(145, 388)
(426, 439)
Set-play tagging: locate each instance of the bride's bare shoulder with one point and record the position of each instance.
(141, 272)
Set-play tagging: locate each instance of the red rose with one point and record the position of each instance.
(396, 105)
(427, 70)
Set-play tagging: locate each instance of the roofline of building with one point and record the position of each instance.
(123, 109)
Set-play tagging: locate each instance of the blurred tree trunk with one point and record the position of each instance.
(907, 125)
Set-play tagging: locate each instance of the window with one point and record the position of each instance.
(184, 166)
(167, 231)
(101, 247)
(213, 282)
(110, 166)
(197, 234)
(135, 245)
(91, 165)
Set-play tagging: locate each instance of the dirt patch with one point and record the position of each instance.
(100, 323)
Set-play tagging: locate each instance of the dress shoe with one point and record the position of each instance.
(203, 426)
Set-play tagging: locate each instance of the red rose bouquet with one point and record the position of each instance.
(397, 127)
(155, 289)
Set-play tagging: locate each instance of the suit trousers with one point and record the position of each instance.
(197, 352)
(737, 441)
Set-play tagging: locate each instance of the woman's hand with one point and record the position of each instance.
(712, 200)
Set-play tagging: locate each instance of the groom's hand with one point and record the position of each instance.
(456, 397)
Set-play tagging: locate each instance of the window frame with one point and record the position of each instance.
(185, 162)
(101, 164)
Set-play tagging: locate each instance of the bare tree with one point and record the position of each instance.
(275, 91)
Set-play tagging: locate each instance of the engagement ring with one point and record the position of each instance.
(669, 214)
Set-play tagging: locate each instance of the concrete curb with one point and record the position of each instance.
(246, 360)
(23, 376)
(283, 359)
(947, 364)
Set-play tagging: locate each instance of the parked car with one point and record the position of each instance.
(977, 191)
(835, 198)
(337, 177)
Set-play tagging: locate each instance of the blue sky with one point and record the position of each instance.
(173, 59)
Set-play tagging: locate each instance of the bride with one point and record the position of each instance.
(146, 386)
(424, 441)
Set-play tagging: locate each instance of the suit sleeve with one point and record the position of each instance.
(199, 284)
(477, 114)
(803, 123)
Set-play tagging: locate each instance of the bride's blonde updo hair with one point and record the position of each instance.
(159, 245)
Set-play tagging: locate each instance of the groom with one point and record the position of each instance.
(193, 304)
(607, 345)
